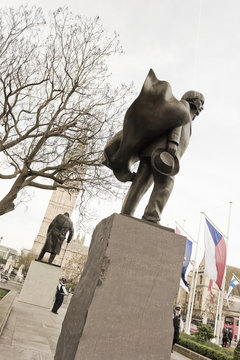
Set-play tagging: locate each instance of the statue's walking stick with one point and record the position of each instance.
(64, 254)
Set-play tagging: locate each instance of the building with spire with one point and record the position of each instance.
(206, 301)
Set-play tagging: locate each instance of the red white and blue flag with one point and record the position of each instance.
(210, 290)
(187, 257)
(215, 254)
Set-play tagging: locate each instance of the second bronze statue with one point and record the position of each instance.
(56, 234)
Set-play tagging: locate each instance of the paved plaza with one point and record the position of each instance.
(176, 356)
(31, 333)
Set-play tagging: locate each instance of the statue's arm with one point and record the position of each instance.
(174, 137)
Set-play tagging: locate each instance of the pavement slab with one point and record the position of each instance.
(31, 332)
(176, 356)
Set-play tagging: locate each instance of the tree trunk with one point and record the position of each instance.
(7, 203)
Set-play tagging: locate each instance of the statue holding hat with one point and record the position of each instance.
(156, 132)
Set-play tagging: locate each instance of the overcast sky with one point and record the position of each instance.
(193, 44)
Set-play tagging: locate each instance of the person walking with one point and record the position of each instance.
(60, 293)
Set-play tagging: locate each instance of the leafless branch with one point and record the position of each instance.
(57, 108)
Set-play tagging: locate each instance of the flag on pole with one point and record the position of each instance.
(210, 289)
(215, 254)
(232, 285)
(187, 257)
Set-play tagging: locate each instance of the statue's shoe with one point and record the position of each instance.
(124, 175)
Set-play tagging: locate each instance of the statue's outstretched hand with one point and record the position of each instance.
(172, 148)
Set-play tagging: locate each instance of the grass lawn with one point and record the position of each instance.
(3, 292)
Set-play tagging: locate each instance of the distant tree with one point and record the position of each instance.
(204, 333)
(25, 259)
(73, 265)
(57, 109)
(211, 306)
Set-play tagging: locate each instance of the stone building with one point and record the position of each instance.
(6, 252)
(205, 304)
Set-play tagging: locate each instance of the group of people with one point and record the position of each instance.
(226, 337)
(178, 325)
(3, 274)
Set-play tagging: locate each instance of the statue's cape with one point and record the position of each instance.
(152, 114)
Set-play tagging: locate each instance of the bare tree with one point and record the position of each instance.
(73, 266)
(57, 108)
(210, 307)
(26, 260)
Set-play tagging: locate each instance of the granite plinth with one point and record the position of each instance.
(122, 307)
(40, 285)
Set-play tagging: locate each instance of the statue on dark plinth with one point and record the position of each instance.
(156, 132)
(56, 234)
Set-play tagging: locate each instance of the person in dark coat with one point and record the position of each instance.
(56, 234)
(224, 337)
(176, 325)
(230, 336)
(60, 293)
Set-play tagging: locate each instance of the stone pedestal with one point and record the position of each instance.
(123, 305)
(40, 285)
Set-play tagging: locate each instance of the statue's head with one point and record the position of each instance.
(66, 214)
(195, 99)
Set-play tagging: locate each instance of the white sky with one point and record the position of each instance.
(193, 44)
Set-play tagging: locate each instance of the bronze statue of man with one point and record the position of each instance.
(56, 234)
(156, 132)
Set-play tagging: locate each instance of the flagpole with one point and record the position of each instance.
(225, 236)
(191, 287)
(218, 327)
(188, 236)
(238, 335)
(231, 287)
(193, 284)
(217, 314)
(236, 278)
